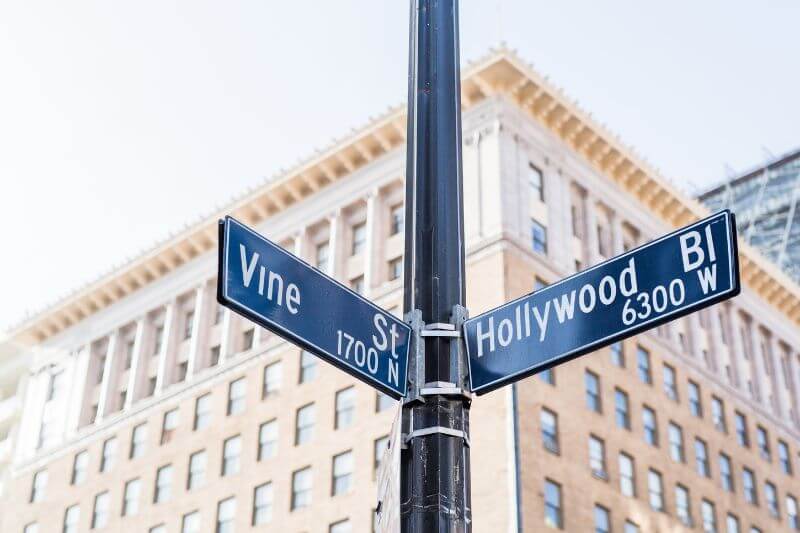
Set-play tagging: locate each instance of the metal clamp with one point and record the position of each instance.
(443, 388)
(440, 329)
(440, 430)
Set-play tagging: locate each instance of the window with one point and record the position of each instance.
(71, 518)
(597, 457)
(549, 422)
(536, 182)
(771, 497)
(198, 463)
(383, 402)
(231, 451)
(301, 488)
(226, 513)
(627, 476)
(552, 505)
(160, 528)
(683, 506)
(248, 339)
(54, 386)
(151, 386)
(183, 369)
(381, 445)
(617, 354)
(202, 412)
(397, 222)
(676, 452)
(742, 436)
(342, 479)
(395, 268)
(308, 366)
(38, 486)
(138, 438)
(655, 490)
(236, 396)
(219, 314)
(188, 324)
(592, 391)
(268, 440)
(304, 424)
(650, 426)
(163, 489)
(345, 408)
(670, 387)
(190, 523)
(784, 458)
(79, 465)
(100, 511)
(359, 238)
(630, 527)
(701, 457)
(548, 376)
(695, 401)
(725, 473)
(754, 529)
(792, 513)
(622, 409)
(130, 499)
(762, 439)
(709, 514)
(602, 519)
(262, 504)
(357, 284)
(129, 346)
(321, 256)
(732, 524)
(33, 527)
(169, 425)
(718, 414)
(749, 486)
(643, 365)
(538, 237)
(273, 378)
(158, 339)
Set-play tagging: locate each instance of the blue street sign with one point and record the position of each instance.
(266, 284)
(682, 272)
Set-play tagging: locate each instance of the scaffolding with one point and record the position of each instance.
(765, 200)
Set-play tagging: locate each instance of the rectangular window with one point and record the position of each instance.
(304, 424)
(129, 346)
(597, 457)
(718, 414)
(100, 511)
(617, 354)
(202, 412)
(784, 458)
(342, 479)
(395, 268)
(163, 489)
(231, 452)
(198, 463)
(792, 512)
(248, 339)
(650, 426)
(71, 518)
(101, 369)
(357, 284)
(397, 222)
(130, 499)
(762, 439)
(643, 365)
(268, 440)
(695, 400)
(655, 490)
(273, 379)
(138, 438)
(709, 514)
(169, 425)
(345, 408)
(308, 366)
(79, 467)
(33, 527)
(190, 523)
(54, 386)
(262, 504)
(670, 386)
(630, 527)
(383, 402)
(538, 237)
(236, 396)
(622, 409)
(160, 528)
(219, 314)
(592, 391)
(321, 256)
(226, 514)
(158, 339)
(732, 524)
(676, 443)
(742, 436)
(38, 486)
(301, 488)
(549, 423)
(627, 475)
(188, 324)
(771, 497)
(701, 457)
(379, 446)
(213, 355)
(183, 369)
(749, 486)
(359, 238)
(548, 376)
(536, 182)
(725, 473)
(553, 516)
(683, 506)
(602, 519)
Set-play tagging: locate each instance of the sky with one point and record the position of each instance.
(120, 122)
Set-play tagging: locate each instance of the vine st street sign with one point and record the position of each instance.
(682, 272)
(275, 289)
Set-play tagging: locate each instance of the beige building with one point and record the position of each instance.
(151, 409)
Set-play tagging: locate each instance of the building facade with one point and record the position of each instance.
(766, 201)
(150, 408)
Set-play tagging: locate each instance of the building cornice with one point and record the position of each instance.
(501, 72)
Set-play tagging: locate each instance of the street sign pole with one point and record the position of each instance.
(435, 472)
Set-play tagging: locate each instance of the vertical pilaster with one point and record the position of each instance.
(473, 224)
(226, 336)
(740, 366)
(199, 330)
(781, 387)
(138, 365)
(760, 365)
(32, 415)
(373, 256)
(617, 246)
(77, 412)
(166, 357)
(336, 244)
(590, 227)
(107, 402)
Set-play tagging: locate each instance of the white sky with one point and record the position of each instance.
(121, 121)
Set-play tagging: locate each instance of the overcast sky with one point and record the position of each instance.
(121, 121)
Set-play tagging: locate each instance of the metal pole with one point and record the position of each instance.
(435, 475)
